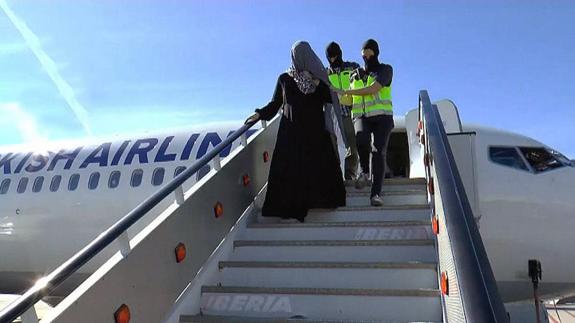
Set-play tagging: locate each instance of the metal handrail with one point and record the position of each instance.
(478, 289)
(60, 274)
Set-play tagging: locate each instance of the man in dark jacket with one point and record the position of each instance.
(339, 76)
(372, 112)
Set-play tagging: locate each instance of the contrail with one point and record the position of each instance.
(49, 66)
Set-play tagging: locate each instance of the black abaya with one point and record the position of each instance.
(304, 172)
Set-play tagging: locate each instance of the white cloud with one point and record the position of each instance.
(13, 115)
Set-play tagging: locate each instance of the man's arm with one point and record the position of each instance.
(384, 76)
(372, 89)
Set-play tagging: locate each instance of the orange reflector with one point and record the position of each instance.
(246, 180)
(419, 125)
(266, 156)
(180, 252)
(435, 224)
(122, 314)
(430, 186)
(218, 209)
(444, 284)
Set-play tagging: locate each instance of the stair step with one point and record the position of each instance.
(418, 191)
(330, 243)
(237, 319)
(413, 275)
(394, 181)
(354, 224)
(323, 303)
(385, 213)
(369, 230)
(391, 185)
(363, 199)
(335, 250)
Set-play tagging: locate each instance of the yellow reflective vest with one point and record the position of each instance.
(341, 81)
(373, 104)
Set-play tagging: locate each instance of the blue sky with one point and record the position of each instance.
(122, 66)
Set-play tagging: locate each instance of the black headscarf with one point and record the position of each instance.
(372, 63)
(333, 50)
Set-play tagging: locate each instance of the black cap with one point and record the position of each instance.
(333, 50)
(371, 44)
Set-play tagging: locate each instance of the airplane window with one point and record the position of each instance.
(5, 186)
(507, 156)
(559, 156)
(22, 185)
(94, 180)
(179, 170)
(55, 184)
(158, 176)
(73, 183)
(203, 172)
(38, 183)
(137, 175)
(540, 159)
(114, 180)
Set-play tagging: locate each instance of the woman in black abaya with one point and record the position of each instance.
(304, 171)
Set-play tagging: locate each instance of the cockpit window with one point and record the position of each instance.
(559, 156)
(507, 156)
(540, 159)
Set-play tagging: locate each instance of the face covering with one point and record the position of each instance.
(371, 63)
(333, 50)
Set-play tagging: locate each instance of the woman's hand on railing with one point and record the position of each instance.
(253, 118)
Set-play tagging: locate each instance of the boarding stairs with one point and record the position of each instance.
(211, 256)
(353, 264)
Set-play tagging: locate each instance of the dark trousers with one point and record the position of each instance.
(380, 126)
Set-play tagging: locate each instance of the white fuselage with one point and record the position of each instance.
(525, 215)
(43, 225)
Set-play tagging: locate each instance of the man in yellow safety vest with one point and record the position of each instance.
(339, 77)
(372, 112)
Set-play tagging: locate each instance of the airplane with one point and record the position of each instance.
(56, 198)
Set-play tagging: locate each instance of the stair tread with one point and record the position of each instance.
(351, 243)
(257, 225)
(319, 264)
(395, 181)
(423, 292)
(373, 208)
(422, 191)
(237, 319)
